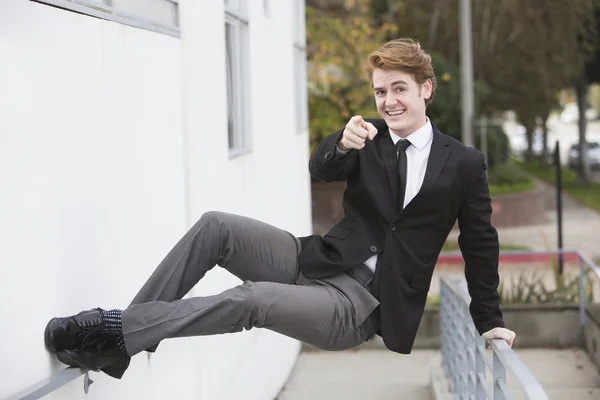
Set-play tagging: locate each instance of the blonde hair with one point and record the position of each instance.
(405, 55)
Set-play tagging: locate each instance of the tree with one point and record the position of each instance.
(338, 43)
(525, 51)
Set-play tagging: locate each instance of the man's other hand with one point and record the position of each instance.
(500, 333)
(356, 132)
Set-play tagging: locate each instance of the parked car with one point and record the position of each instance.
(593, 153)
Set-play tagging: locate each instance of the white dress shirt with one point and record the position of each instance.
(417, 155)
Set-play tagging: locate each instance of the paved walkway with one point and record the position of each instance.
(383, 375)
(564, 374)
(361, 375)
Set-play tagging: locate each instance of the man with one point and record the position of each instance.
(407, 184)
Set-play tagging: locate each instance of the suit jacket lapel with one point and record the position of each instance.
(438, 155)
(440, 150)
(388, 153)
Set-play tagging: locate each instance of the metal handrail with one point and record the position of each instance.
(463, 352)
(53, 383)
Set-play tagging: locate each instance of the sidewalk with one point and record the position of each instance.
(361, 374)
(374, 374)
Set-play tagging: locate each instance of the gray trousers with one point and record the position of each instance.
(332, 314)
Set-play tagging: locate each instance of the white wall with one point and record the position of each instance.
(112, 142)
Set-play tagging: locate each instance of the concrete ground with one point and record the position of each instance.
(564, 374)
(382, 375)
(361, 374)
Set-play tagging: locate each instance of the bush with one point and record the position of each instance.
(498, 148)
(508, 173)
(507, 177)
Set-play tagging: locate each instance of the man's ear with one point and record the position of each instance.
(427, 88)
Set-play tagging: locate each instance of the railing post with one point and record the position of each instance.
(462, 348)
(499, 373)
(480, 368)
(470, 347)
(581, 291)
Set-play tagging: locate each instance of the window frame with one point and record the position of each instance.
(300, 67)
(105, 9)
(236, 16)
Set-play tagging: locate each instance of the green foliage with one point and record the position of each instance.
(451, 245)
(498, 146)
(445, 111)
(507, 178)
(530, 287)
(338, 46)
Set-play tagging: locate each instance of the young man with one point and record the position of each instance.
(407, 184)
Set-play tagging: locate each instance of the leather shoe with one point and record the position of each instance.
(103, 356)
(74, 332)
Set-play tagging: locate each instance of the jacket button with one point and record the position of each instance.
(392, 227)
(373, 249)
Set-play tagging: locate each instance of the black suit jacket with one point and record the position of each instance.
(408, 242)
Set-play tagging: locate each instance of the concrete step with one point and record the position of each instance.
(361, 374)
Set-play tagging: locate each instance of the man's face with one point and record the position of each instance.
(400, 100)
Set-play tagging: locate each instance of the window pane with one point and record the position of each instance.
(157, 11)
(230, 70)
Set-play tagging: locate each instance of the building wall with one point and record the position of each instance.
(113, 141)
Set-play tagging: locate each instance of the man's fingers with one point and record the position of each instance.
(356, 139)
(357, 120)
(358, 131)
(500, 333)
(372, 131)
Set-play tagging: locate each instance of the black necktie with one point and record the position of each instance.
(402, 145)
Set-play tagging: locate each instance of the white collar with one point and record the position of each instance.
(419, 138)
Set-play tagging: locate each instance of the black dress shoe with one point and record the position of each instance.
(74, 332)
(103, 356)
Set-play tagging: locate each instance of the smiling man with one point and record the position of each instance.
(407, 185)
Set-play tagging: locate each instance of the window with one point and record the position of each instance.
(236, 58)
(155, 15)
(300, 85)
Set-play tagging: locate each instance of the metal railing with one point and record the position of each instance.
(53, 383)
(464, 355)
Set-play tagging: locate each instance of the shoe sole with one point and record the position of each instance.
(116, 373)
